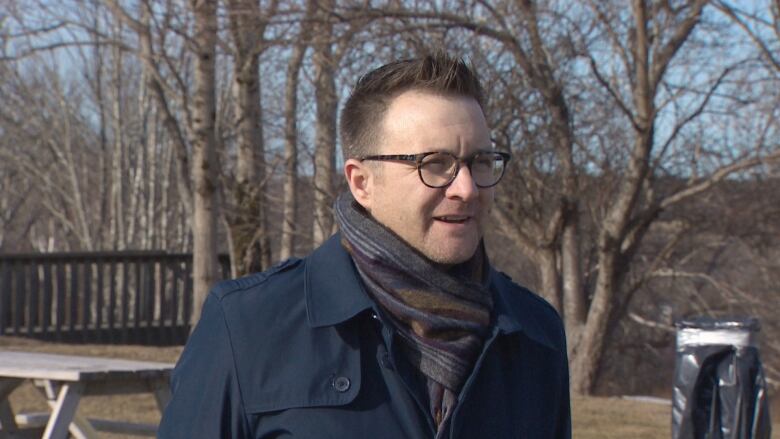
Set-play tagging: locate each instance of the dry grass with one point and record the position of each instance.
(614, 418)
(593, 418)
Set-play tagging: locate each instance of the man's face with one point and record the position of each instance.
(445, 224)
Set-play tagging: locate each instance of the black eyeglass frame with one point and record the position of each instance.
(418, 159)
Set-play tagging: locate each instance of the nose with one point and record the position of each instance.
(463, 186)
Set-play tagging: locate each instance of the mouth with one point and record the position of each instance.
(452, 219)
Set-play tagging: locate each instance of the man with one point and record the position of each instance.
(397, 327)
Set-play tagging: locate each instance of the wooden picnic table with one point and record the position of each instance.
(64, 379)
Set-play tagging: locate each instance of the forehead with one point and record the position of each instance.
(425, 121)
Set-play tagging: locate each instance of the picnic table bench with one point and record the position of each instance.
(63, 379)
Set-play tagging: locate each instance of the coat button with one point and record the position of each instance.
(341, 384)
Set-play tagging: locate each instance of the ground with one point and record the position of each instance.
(593, 418)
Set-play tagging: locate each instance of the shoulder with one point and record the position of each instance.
(249, 303)
(266, 325)
(519, 295)
(257, 282)
(207, 383)
(528, 297)
(538, 318)
(239, 307)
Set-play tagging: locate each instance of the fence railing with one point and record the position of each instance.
(98, 297)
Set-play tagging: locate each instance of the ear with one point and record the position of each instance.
(360, 180)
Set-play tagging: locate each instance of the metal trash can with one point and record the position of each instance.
(719, 386)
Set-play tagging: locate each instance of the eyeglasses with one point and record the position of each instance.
(439, 169)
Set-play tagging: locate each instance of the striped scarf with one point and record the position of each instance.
(441, 314)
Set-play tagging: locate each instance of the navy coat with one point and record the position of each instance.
(298, 351)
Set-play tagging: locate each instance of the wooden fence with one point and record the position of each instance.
(101, 297)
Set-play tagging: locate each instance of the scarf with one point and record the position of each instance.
(441, 314)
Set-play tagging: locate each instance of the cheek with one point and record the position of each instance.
(427, 203)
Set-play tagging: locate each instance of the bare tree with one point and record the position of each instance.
(621, 121)
(204, 163)
(247, 219)
(325, 65)
(655, 39)
(544, 210)
(58, 162)
(155, 61)
(762, 27)
(290, 208)
(118, 162)
(199, 197)
(114, 151)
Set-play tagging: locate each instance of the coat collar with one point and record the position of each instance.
(519, 310)
(334, 294)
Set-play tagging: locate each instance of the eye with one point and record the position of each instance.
(438, 163)
(483, 162)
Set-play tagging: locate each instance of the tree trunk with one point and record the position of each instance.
(584, 365)
(137, 176)
(103, 162)
(163, 232)
(247, 222)
(149, 60)
(148, 141)
(150, 235)
(68, 158)
(574, 305)
(325, 130)
(204, 172)
(290, 208)
(117, 175)
(546, 261)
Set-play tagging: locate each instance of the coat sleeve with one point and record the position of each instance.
(206, 400)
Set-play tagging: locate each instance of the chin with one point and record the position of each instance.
(451, 261)
(456, 256)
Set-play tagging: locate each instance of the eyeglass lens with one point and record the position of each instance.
(440, 169)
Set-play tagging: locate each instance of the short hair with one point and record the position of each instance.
(364, 110)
